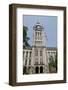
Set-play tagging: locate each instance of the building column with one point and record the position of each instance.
(28, 58)
(39, 56)
(33, 59)
(24, 57)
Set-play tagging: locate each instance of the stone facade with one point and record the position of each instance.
(36, 58)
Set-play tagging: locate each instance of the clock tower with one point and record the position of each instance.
(39, 47)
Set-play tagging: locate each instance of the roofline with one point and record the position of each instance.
(51, 48)
(48, 48)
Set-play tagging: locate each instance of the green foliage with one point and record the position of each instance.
(52, 62)
(25, 38)
(56, 61)
(26, 70)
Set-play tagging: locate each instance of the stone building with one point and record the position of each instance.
(36, 58)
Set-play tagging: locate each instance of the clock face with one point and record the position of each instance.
(38, 26)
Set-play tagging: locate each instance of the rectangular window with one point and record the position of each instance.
(36, 52)
(36, 33)
(26, 62)
(40, 53)
(41, 61)
(26, 54)
(29, 61)
(30, 54)
(36, 60)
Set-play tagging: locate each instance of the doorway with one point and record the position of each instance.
(37, 70)
(41, 69)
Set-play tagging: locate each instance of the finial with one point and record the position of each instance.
(38, 22)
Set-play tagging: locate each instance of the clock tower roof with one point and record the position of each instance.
(38, 26)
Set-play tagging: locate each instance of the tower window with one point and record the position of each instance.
(36, 61)
(26, 54)
(41, 53)
(29, 61)
(36, 52)
(40, 33)
(26, 62)
(36, 33)
(30, 54)
(41, 61)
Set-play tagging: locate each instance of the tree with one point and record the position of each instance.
(25, 38)
(56, 61)
(53, 64)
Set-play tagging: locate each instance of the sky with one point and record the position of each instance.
(50, 27)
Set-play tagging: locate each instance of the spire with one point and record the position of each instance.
(38, 23)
